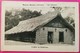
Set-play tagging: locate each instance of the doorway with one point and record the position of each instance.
(61, 36)
(50, 37)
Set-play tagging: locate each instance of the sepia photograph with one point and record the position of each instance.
(40, 26)
(34, 27)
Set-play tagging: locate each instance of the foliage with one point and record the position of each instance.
(70, 20)
(12, 18)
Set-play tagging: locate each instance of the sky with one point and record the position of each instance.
(67, 9)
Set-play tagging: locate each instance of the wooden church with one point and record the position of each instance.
(48, 28)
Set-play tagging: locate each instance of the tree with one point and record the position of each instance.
(12, 18)
(70, 20)
(35, 13)
(27, 14)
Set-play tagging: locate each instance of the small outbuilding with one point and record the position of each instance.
(48, 28)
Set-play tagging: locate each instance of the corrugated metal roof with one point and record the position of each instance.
(31, 24)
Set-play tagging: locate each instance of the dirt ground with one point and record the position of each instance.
(11, 42)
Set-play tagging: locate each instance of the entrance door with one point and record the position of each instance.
(61, 36)
(50, 37)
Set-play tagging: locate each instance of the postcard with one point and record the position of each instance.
(40, 26)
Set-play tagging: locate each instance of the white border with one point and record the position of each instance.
(74, 48)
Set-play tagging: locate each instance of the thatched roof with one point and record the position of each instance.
(31, 24)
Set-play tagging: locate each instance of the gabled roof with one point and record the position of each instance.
(33, 23)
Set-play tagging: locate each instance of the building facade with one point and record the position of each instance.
(49, 28)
